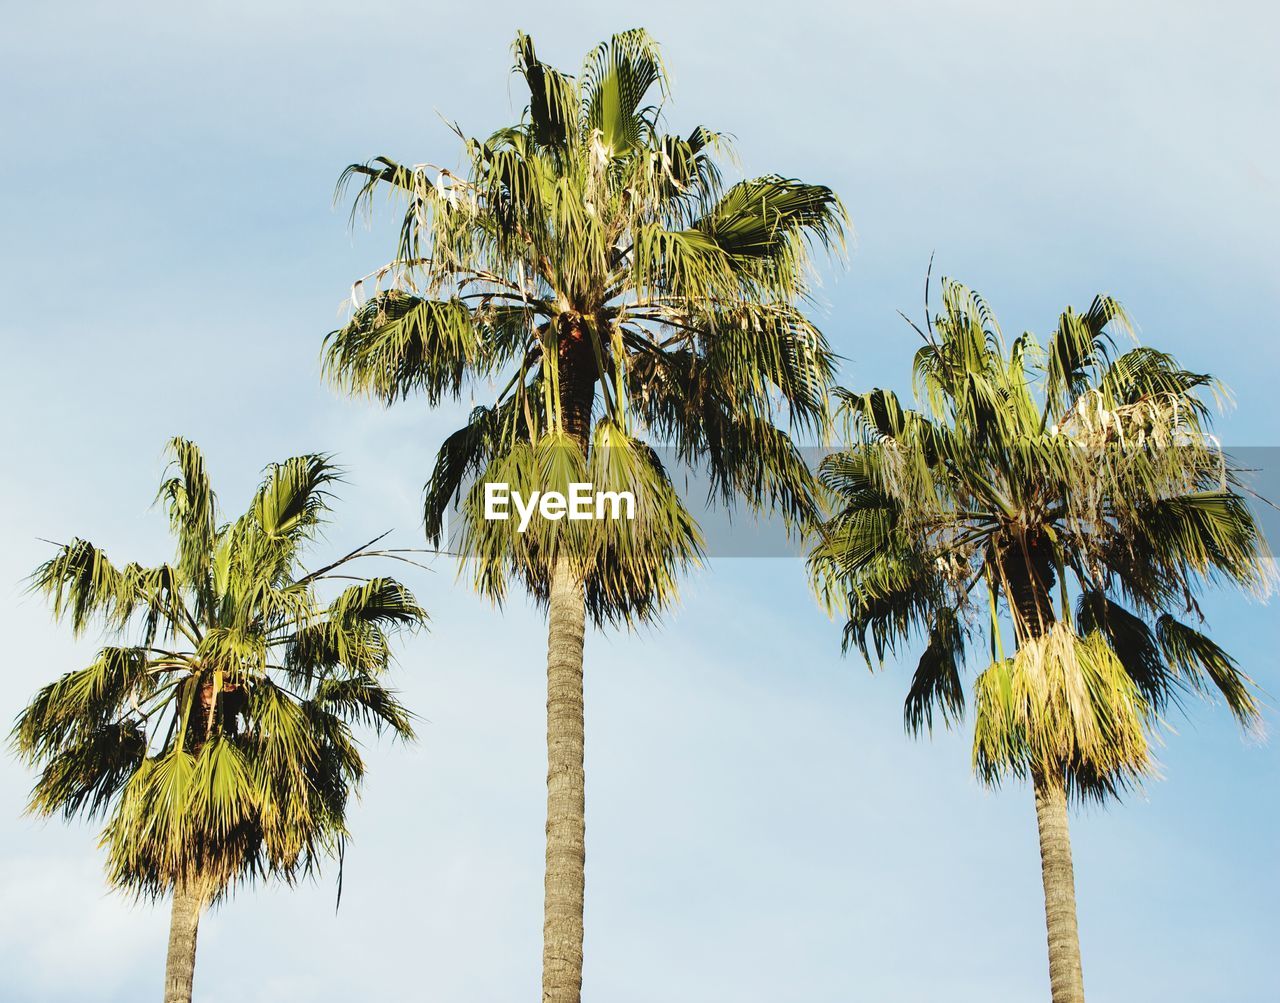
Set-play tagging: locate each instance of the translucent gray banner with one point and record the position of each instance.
(736, 531)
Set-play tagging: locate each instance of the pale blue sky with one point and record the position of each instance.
(759, 829)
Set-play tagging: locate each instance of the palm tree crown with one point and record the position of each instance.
(1072, 493)
(216, 739)
(598, 270)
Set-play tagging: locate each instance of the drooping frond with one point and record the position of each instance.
(84, 701)
(1211, 534)
(462, 456)
(1063, 708)
(362, 700)
(1205, 667)
(936, 685)
(82, 583)
(630, 561)
(398, 343)
(1134, 644)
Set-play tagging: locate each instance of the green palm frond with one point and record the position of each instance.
(398, 343)
(629, 566)
(82, 583)
(766, 221)
(1204, 666)
(553, 97)
(936, 684)
(1145, 373)
(293, 497)
(193, 508)
(1062, 707)
(363, 700)
(1210, 533)
(616, 78)
(1078, 347)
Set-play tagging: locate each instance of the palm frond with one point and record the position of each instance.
(616, 78)
(398, 343)
(1204, 666)
(192, 508)
(553, 99)
(936, 684)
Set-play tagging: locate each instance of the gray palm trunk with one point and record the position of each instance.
(1030, 578)
(566, 791)
(180, 964)
(1066, 978)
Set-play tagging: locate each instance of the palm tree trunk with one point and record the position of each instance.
(1066, 978)
(180, 965)
(566, 791)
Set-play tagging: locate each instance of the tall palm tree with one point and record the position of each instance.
(598, 271)
(215, 738)
(1069, 503)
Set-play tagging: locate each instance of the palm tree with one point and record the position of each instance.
(216, 738)
(1070, 503)
(598, 271)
